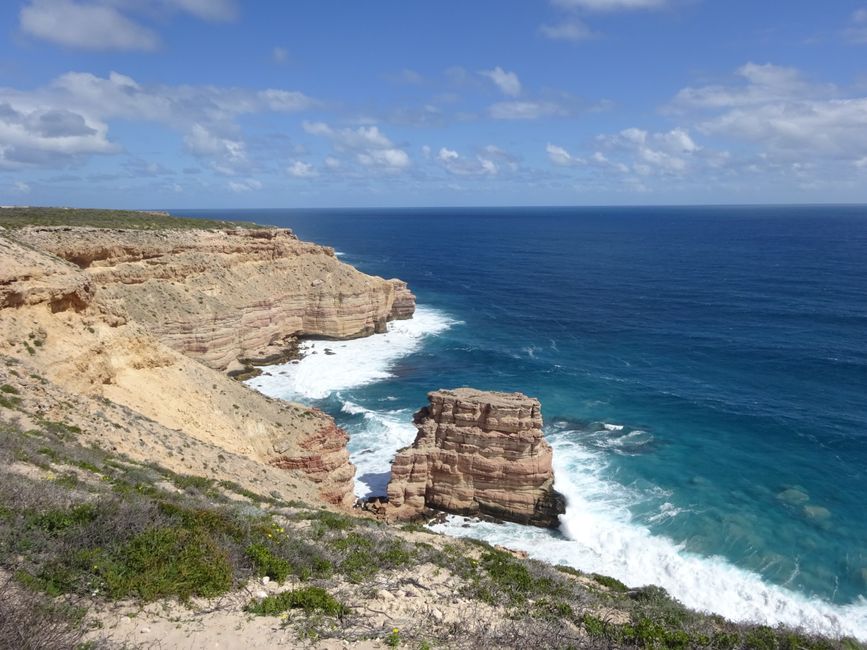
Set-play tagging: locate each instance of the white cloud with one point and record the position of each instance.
(372, 148)
(764, 83)
(227, 155)
(247, 185)
(454, 163)
(526, 110)
(611, 5)
(361, 137)
(571, 30)
(507, 82)
(391, 159)
(300, 169)
(649, 153)
(21, 187)
(559, 156)
(332, 163)
(106, 25)
(69, 117)
(85, 26)
(777, 109)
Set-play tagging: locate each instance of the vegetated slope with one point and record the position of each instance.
(97, 547)
(19, 217)
(145, 497)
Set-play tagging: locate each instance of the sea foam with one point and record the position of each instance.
(597, 534)
(349, 364)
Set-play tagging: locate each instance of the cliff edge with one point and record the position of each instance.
(223, 295)
(477, 452)
(149, 319)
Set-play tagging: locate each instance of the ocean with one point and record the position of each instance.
(702, 373)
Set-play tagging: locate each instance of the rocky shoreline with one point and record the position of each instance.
(124, 437)
(477, 453)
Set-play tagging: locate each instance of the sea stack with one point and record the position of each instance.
(477, 453)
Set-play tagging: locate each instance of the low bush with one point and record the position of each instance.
(310, 599)
(164, 562)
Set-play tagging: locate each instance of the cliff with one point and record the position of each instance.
(223, 295)
(475, 453)
(146, 320)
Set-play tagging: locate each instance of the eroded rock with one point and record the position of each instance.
(478, 453)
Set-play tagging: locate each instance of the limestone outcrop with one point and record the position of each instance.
(222, 295)
(477, 453)
(146, 321)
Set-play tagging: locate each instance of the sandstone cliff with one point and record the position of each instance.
(144, 321)
(475, 453)
(223, 295)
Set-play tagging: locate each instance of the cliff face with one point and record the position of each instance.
(145, 319)
(475, 453)
(218, 296)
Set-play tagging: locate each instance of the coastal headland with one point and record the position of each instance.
(148, 497)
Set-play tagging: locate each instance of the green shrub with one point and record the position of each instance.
(169, 561)
(611, 583)
(310, 599)
(10, 403)
(9, 390)
(54, 521)
(268, 564)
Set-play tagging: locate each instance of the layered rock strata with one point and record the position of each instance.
(146, 321)
(222, 295)
(477, 453)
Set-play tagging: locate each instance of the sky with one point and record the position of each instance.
(325, 103)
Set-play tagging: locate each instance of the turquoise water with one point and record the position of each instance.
(702, 371)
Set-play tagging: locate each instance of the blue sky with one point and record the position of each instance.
(232, 103)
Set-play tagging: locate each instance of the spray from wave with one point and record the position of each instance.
(331, 366)
(598, 534)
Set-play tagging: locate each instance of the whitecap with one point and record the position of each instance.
(373, 443)
(350, 364)
(598, 534)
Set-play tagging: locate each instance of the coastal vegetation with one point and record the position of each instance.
(82, 528)
(120, 514)
(19, 217)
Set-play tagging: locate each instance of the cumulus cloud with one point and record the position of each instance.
(227, 155)
(85, 26)
(507, 82)
(370, 146)
(777, 109)
(559, 156)
(300, 169)
(651, 153)
(763, 83)
(106, 24)
(479, 165)
(69, 118)
(571, 30)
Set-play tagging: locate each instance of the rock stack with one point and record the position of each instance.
(477, 453)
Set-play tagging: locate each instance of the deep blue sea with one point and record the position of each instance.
(702, 373)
